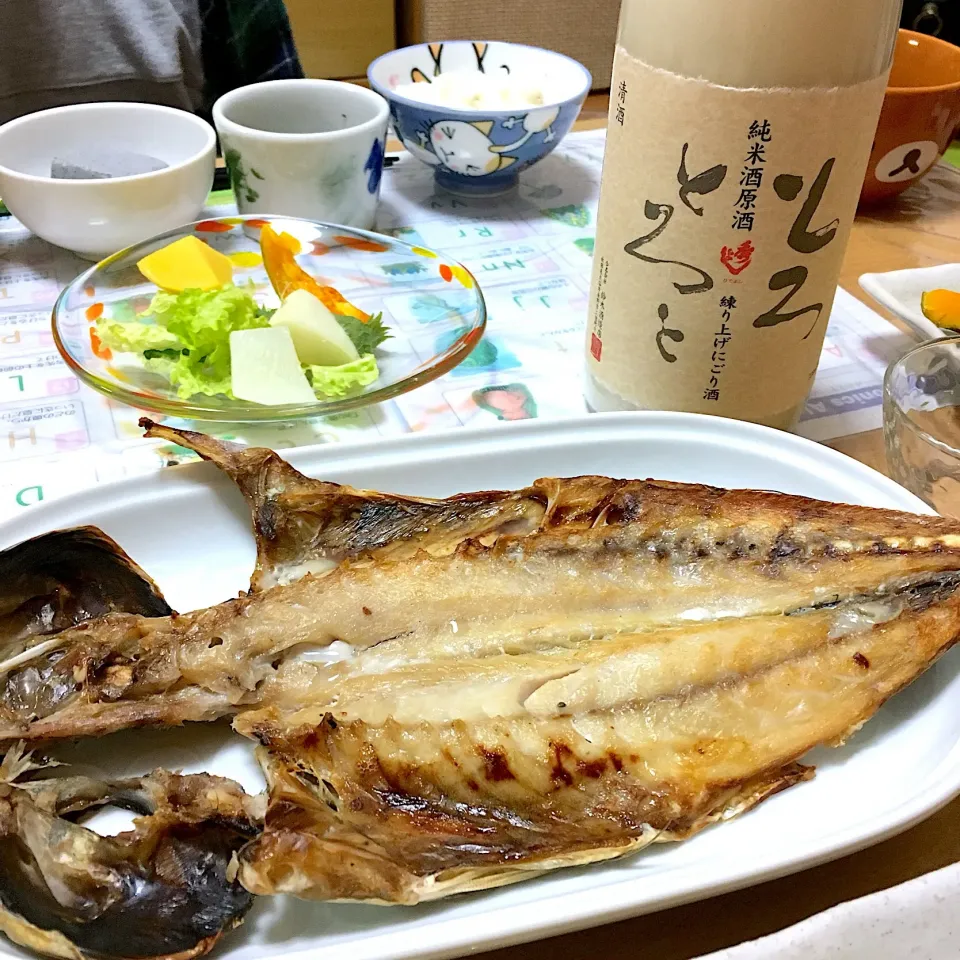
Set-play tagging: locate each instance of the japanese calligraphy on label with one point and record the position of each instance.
(724, 216)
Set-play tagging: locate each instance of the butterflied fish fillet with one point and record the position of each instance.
(560, 563)
(420, 779)
(504, 683)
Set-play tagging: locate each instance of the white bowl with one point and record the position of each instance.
(95, 218)
(900, 292)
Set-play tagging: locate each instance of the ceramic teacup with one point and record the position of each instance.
(304, 148)
(920, 115)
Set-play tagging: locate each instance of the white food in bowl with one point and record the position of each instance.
(473, 90)
(95, 218)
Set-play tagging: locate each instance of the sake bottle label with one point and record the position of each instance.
(724, 217)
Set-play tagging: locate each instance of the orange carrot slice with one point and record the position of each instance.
(286, 275)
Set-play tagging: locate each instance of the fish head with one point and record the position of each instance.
(164, 889)
(67, 577)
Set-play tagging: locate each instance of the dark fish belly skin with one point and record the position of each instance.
(159, 892)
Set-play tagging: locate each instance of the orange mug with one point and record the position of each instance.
(920, 115)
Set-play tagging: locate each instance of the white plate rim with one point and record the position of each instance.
(342, 453)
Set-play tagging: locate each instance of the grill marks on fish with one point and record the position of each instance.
(398, 837)
(650, 767)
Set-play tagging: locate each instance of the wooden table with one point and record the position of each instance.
(922, 228)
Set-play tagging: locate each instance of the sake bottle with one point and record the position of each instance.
(738, 138)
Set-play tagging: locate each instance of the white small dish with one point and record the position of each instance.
(900, 291)
(901, 768)
(95, 218)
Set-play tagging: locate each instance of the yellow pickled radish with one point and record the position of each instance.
(187, 264)
(942, 307)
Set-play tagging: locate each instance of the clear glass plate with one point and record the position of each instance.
(431, 304)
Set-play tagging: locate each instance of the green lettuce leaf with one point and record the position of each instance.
(365, 336)
(192, 380)
(189, 339)
(187, 380)
(338, 381)
(135, 337)
(202, 320)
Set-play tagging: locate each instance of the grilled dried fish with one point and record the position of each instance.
(420, 778)
(167, 889)
(512, 682)
(592, 557)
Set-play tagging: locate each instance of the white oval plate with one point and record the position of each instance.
(188, 527)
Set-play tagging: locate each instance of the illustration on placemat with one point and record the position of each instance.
(488, 356)
(509, 401)
(573, 214)
(408, 268)
(429, 308)
(546, 191)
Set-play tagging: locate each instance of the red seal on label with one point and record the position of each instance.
(736, 261)
(596, 346)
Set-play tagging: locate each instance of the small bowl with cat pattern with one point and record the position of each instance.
(480, 113)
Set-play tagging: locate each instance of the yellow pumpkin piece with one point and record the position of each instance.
(187, 264)
(942, 307)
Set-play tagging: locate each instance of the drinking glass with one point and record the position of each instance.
(921, 423)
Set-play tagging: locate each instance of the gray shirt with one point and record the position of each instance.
(54, 52)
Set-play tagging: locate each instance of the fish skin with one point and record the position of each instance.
(310, 526)
(397, 847)
(60, 579)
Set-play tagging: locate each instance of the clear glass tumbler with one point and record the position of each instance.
(921, 423)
